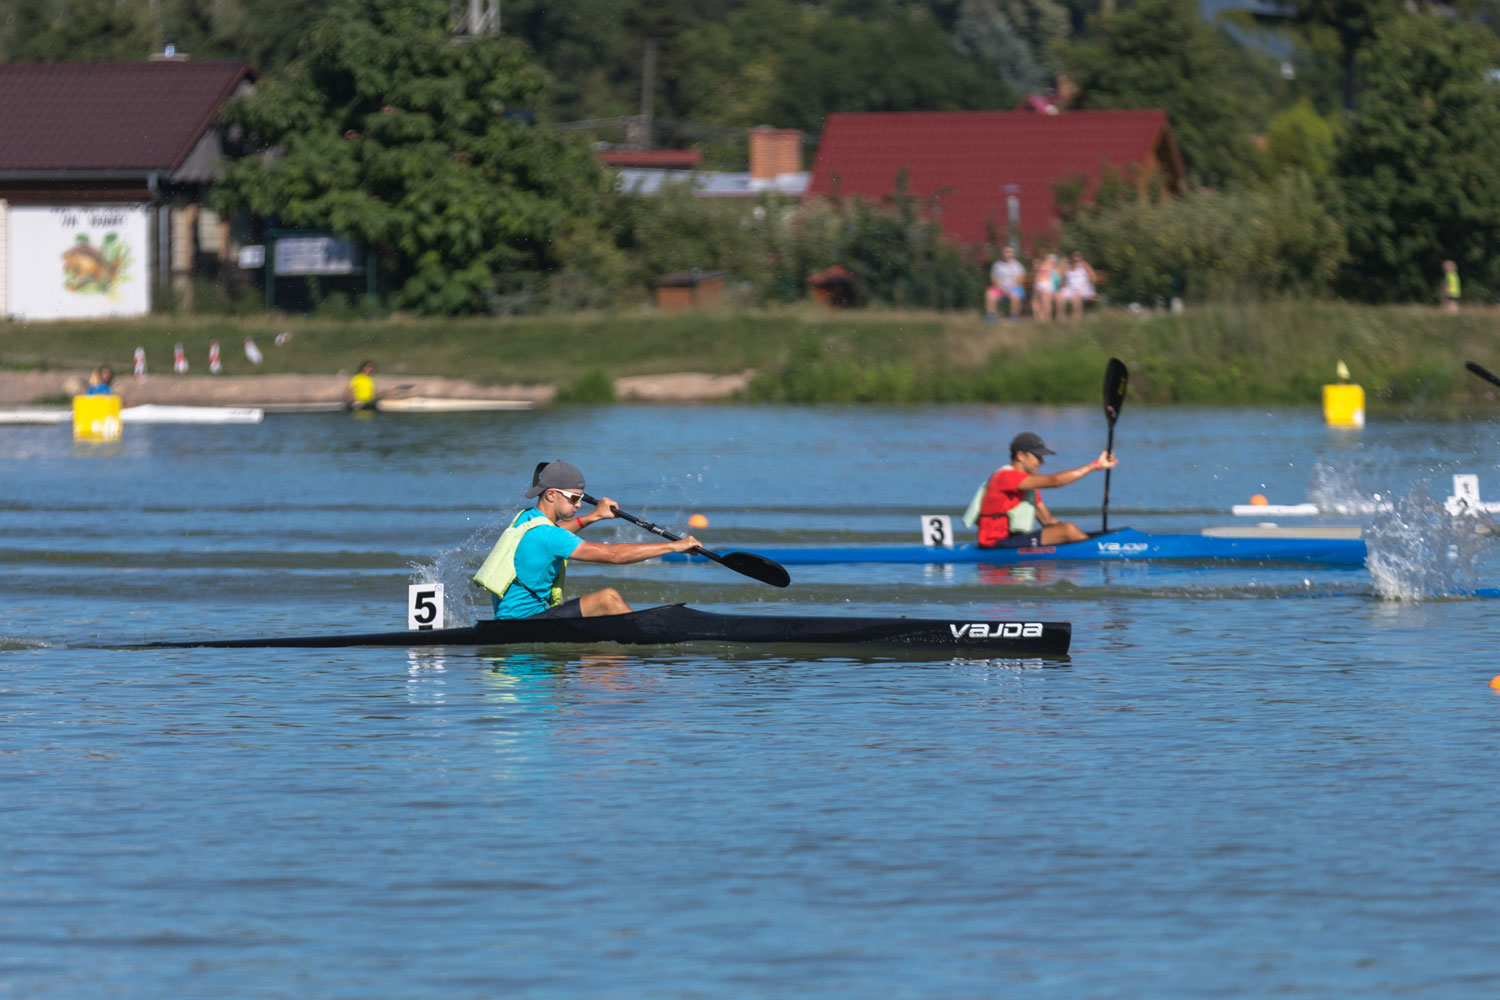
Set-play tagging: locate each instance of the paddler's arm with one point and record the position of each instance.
(1043, 515)
(603, 510)
(631, 552)
(1106, 460)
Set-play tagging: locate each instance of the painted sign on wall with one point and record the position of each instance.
(79, 261)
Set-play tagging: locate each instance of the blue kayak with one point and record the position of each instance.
(1126, 543)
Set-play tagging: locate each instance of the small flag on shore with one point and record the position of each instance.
(179, 360)
(140, 362)
(213, 357)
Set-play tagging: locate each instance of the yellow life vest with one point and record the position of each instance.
(1453, 286)
(498, 571)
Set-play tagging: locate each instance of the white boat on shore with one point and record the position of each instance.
(407, 404)
(146, 413)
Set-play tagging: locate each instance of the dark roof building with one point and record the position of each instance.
(103, 170)
(964, 164)
(110, 131)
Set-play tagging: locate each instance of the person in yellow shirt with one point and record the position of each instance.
(360, 392)
(1450, 292)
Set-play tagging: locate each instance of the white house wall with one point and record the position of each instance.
(4, 246)
(78, 261)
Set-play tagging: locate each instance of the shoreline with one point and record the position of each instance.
(40, 388)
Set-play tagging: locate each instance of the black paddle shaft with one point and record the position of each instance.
(1116, 380)
(745, 563)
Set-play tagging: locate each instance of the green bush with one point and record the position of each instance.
(898, 257)
(593, 386)
(1257, 243)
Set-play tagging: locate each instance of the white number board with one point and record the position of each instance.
(424, 606)
(937, 531)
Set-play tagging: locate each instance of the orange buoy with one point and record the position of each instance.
(1495, 683)
(1259, 500)
(697, 521)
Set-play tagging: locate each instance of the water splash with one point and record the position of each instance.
(1337, 490)
(1420, 551)
(464, 601)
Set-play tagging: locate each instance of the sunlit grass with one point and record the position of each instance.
(1280, 352)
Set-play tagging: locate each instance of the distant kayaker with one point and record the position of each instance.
(101, 382)
(360, 394)
(524, 572)
(1008, 508)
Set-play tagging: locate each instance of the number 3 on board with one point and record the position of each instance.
(424, 606)
(937, 531)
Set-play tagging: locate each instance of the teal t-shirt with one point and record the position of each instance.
(539, 557)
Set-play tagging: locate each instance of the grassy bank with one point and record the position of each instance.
(1255, 353)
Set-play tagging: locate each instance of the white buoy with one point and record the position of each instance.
(252, 352)
(179, 360)
(140, 362)
(213, 357)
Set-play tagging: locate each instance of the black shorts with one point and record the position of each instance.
(1030, 540)
(567, 609)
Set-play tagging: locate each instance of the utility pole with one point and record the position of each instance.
(482, 18)
(638, 127)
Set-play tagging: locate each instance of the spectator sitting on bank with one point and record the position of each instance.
(1043, 287)
(1078, 286)
(101, 381)
(1007, 281)
(1450, 291)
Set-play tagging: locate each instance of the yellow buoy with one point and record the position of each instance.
(697, 521)
(1344, 405)
(96, 418)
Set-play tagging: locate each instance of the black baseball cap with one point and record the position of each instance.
(557, 475)
(1031, 443)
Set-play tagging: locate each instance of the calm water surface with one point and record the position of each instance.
(1236, 786)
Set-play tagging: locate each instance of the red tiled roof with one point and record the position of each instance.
(665, 159)
(109, 115)
(968, 157)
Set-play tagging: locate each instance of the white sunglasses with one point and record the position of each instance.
(573, 498)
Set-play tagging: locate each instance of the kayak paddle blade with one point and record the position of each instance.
(1482, 372)
(1116, 381)
(756, 567)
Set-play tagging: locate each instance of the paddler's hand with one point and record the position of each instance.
(1106, 460)
(603, 510)
(687, 544)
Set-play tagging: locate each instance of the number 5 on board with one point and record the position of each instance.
(937, 531)
(424, 606)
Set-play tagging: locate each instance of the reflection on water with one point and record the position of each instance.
(427, 680)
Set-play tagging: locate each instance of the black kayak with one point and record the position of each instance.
(673, 623)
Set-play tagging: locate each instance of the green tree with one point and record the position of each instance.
(1333, 30)
(1300, 139)
(57, 30)
(390, 131)
(1257, 242)
(1014, 37)
(1161, 54)
(777, 62)
(1420, 167)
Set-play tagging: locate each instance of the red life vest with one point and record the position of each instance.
(998, 502)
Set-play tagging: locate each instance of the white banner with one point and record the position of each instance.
(79, 261)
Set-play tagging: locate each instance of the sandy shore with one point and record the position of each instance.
(28, 388)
